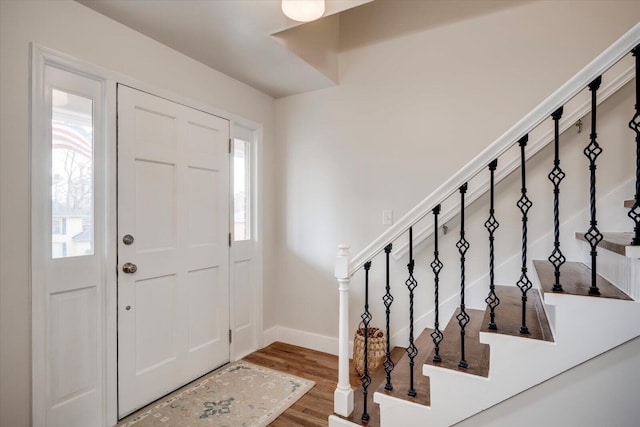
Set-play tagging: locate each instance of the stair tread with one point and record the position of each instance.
(476, 353)
(400, 374)
(629, 203)
(575, 278)
(377, 377)
(509, 315)
(615, 242)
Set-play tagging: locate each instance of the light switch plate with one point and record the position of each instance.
(387, 217)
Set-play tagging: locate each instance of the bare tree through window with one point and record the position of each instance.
(71, 175)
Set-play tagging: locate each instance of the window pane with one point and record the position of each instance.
(71, 175)
(242, 190)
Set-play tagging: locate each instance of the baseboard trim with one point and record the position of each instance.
(317, 342)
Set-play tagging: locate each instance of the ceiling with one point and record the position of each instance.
(249, 40)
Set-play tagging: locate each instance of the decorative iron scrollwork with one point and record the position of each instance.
(411, 283)
(634, 124)
(366, 319)
(492, 225)
(524, 204)
(463, 247)
(436, 265)
(592, 151)
(556, 176)
(387, 299)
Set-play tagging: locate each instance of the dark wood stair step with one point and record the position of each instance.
(400, 375)
(629, 203)
(509, 315)
(575, 278)
(377, 377)
(619, 243)
(476, 353)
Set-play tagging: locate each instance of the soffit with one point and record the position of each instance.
(235, 38)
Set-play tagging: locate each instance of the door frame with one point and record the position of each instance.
(256, 233)
(40, 57)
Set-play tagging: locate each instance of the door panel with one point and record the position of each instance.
(68, 250)
(72, 328)
(155, 321)
(173, 198)
(156, 199)
(246, 292)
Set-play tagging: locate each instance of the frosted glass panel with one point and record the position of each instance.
(241, 190)
(71, 175)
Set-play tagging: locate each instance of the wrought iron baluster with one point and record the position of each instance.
(388, 299)
(492, 225)
(592, 151)
(524, 204)
(556, 176)
(436, 265)
(411, 283)
(634, 124)
(366, 318)
(463, 246)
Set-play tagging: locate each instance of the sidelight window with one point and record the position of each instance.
(241, 190)
(71, 175)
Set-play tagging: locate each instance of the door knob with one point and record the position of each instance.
(129, 268)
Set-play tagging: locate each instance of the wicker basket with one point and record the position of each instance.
(376, 349)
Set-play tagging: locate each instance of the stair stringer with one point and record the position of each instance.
(517, 364)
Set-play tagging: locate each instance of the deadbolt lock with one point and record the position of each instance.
(128, 239)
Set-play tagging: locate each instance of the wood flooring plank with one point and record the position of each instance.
(614, 242)
(314, 408)
(509, 315)
(476, 353)
(400, 376)
(377, 377)
(575, 278)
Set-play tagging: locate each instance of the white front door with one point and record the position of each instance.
(173, 228)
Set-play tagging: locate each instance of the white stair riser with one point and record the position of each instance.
(517, 364)
(622, 271)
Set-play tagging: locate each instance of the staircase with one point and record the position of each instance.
(574, 289)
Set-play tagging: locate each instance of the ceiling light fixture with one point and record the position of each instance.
(303, 10)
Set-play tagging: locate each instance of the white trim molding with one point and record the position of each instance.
(317, 342)
(609, 87)
(51, 277)
(41, 56)
(560, 97)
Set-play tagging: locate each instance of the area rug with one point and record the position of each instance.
(241, 394)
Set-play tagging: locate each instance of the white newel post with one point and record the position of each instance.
(343, 396)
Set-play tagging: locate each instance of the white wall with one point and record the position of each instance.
(438, 83)
(75, 30)
(596, 393)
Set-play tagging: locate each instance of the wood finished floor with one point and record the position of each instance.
(314, 408)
